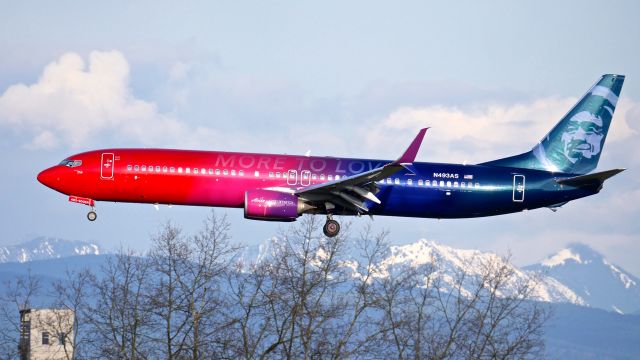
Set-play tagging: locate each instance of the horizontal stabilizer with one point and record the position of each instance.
(590, 179)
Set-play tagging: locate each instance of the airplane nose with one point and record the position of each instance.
(48, 177)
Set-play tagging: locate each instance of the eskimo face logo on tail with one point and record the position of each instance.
(583, 136)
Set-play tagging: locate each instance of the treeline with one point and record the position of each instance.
(195, 297)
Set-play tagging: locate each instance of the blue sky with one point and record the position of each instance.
(352, 79)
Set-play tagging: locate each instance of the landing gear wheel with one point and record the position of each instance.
(331, 228)
(92, 216)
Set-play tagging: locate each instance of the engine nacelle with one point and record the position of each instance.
(273, 205)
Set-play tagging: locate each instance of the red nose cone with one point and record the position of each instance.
(48, 177)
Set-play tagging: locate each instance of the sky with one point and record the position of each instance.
(352, 79)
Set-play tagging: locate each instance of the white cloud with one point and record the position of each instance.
(484, 133)
(76, 103)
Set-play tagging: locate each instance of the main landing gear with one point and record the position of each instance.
(331, 227)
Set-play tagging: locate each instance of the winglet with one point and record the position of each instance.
(410, 154)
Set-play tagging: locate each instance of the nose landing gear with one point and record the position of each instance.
(331, 228)
(92, 216)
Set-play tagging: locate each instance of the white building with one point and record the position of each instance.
(46, 334)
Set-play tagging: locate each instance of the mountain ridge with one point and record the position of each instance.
(44, 247)
(591, 276)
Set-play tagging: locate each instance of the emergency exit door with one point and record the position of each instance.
(518, 188)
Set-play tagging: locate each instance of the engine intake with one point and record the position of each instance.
(272, 205)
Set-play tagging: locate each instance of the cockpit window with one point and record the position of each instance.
(71, 163)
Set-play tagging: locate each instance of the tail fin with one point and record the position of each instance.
(575, 143)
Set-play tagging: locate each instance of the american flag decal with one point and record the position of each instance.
(468, 177)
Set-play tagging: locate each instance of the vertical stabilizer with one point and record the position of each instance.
(574, 145)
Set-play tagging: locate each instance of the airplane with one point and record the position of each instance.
(273, 187)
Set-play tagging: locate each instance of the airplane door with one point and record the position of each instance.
(305, 178)
(292, 177)
(518, 188)
(106, 167)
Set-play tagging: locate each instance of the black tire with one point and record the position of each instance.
(331, 228)
(92, 216)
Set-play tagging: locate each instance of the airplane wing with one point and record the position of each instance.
(350, 192)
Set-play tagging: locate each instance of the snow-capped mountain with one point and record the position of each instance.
(447, 262)
(42, 248)
(592, 277)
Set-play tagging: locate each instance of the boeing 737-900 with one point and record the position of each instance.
(283, 187)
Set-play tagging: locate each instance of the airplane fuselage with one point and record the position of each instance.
(221, 179)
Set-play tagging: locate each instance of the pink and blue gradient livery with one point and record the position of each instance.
(283, 187)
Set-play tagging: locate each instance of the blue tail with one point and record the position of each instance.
(575, 143)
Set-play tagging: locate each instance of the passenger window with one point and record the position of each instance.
(330, 177)
(314, 176)
(144, 168)
(157, 168)
(233, 173)
(477, 185)
(195, 170)
(210, 171)
(203, 171)
(321, 176)
(225, 172)
(180, 170)
(409, 182)
(172, 169)
(129, 167)
(136, 168)
(441, 183)
(164, 169)
(470, 184)
(150, 168)
(188, 170)
(463, 184)
(270, 173)
(448, 184)
(256, 174)
(434, 183)
(427, 183)
(241, 172)
(420, 182)
(337, 177)
(397, 181)
(389, 181)
(217, 171)
(455, 184)
(277, 174)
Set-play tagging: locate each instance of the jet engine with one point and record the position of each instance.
(272, 205)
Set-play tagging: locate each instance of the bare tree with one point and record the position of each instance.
(120, 320)
(17, 295)
(186, 298)
(169, 257)
(355, 336)
(308, 296)
(430, 313)
(305, 298)
(211, 258)
(72, 293)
